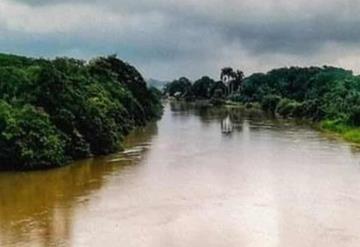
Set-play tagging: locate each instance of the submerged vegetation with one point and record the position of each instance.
(328, 95)
(55, 111)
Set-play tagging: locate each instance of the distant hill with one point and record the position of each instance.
(156, 83)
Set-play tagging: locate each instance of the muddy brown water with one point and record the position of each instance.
(183, 182)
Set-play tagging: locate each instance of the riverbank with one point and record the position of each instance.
(56, 111)
(349, 133)
(313, 93)
(343, 130)
(182, 179)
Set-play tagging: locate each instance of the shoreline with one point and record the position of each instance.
(348, 133)
(341, 130)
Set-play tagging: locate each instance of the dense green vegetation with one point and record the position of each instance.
(327, 95)
(55, 111)
(205, 87)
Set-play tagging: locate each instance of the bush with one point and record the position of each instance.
(354, 114)
(28, 140)
(236, 98)
(353, 135)
(289, 108)
(337, 125)
(270, 102)
(312, 110)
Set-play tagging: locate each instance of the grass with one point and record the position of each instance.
(346, 131)
(349, 133)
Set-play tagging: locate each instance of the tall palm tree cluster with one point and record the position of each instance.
(232, 79)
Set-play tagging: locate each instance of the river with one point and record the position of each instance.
(184, 181)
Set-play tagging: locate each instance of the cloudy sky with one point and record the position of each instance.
(171, 38)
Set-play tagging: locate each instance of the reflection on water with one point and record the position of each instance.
(184, 182)
(227, 126)
(39, 207)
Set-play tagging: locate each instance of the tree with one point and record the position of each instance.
(28, 140)
(54, 111)
(201, 88)
(180, 87)
(232, 79)
(218, 90)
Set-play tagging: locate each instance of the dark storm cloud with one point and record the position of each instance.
(50, 2)
(168, 38)
(294, 37)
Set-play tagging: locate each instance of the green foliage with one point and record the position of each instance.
(327, 94)
(178, 88)
(335, 125)
(350, 133)
(218, 90)
(155, 96)
(201, 88)
(68, 109)
(232, 78)
(255, 87)
(206, 88)
(353, 135)
(270, 102)
(289, 108)
(236, 97)
(315, 93)
(13, 60)
(28, 139)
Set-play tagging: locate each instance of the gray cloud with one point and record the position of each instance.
(170, 38)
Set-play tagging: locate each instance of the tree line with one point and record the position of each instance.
(327, 94)
(206, 87)
(56, 111)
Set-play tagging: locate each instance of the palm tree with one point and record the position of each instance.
(238, 79)
(232, 79)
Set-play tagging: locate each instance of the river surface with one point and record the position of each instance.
(192, 180)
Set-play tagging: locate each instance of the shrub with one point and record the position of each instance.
(353, 135)
(289, 108)
(270, 102)
(28, 140)
(337, 125)
(354, 115)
